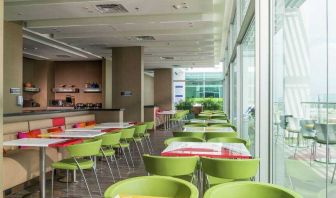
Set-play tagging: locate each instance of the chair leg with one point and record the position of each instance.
(67, 181)
(82, 173)
(52, 182)
(94, 170)
(149, 149)
(123, 151)
(332, 178)
(136, 144)
(150, 144)
(115, 159)
(108, 164)
(129, 152)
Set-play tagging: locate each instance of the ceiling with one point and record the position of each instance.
(182, 33)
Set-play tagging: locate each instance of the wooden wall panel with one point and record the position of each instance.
(78, 73)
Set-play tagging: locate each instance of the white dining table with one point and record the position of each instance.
(76, 134)
(208, 129)
(167, 115)
(42, 144)
(211, 121)
(94, 130)
(113, 125)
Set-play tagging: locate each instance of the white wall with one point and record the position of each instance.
(148, 89)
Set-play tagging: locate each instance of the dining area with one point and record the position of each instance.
(201, 157)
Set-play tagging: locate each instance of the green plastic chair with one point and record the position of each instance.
(211, 135)
(126, 136)
(230, 140)
(150, 126)
(189, 134)
(182, 139)
(226, 170)
(195, 125)
(180, 167)
(78, 161)
(156, 186)
(250, 190)
(139, 135)
(224, 125)
(108, 141)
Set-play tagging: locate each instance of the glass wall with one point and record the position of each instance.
(204, 84)
(304, 96)
(248, 85)
(234, 93)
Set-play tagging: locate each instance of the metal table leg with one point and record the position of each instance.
(42, 172)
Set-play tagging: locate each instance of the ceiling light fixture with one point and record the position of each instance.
(179, 6)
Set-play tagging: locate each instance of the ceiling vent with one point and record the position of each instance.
(111, 8)
(63, 56)
(167, 58)
(145, 38)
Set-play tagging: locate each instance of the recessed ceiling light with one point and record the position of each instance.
(179, 6)
(35, 48)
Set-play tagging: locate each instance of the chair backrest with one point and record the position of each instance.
(154, 186)
(293, 123)
(140, 129)
(326, 132)
(211, 135)
(88, 148)
(196, 125)
(110, 139)
(230, 140)
(250, 190)
(150, 125)
(230, 168)
(307, 125)
(189, 134)
(127, 133)
(219, 117)
(170, 166)
(182, 139)
(225, 125)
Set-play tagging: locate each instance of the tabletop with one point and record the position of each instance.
(209, 121)
(171, 112)
(208, 129)
(84, 134)
(83, 130)
(207, 149)
(113, 125)
(34, 142)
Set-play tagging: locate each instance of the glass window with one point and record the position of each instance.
(304, 116)
(243, 7)
(234, 92)
(248, 85)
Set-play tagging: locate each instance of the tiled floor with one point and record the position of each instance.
(79, 190)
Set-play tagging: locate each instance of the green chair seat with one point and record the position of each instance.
(155, 186)
(182, 139)
(250, 190)
(108, 153)
(212, 181)
(70, 164)
(180, 167)
(122, 145)
(189, 134)
(147, 134)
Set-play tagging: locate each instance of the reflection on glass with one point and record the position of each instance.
(302, 106)
(248, 81)
(234, 95)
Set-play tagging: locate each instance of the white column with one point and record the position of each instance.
(263, 85)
